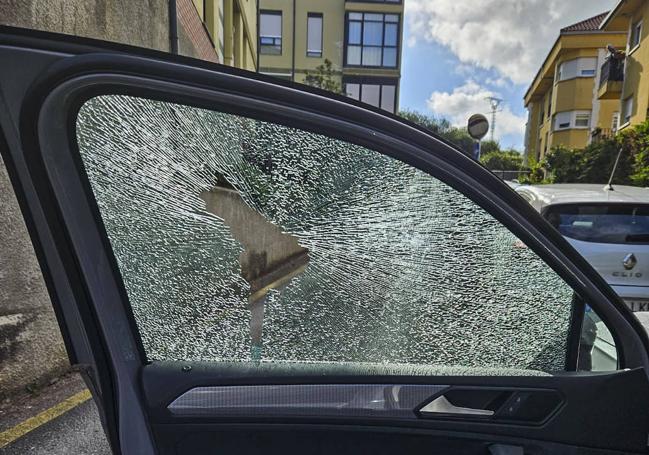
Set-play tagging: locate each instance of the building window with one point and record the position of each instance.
(571, 119)
(579, 67)
(270, 32)
(582, 120)
(372, 39)
(636, 35)
(314, 35)
(377, 92)
(615, 121)
(627, 109)
(562, 121)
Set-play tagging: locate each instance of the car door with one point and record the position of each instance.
(240, 264)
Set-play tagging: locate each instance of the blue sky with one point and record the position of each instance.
(454, 55)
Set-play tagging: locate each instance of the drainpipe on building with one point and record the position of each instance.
(173, 27)
(228, 32)
(293, 53)
(257, 37)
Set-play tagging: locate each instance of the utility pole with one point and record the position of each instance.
(494, 103)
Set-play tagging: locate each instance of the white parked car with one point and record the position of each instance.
(610, 228)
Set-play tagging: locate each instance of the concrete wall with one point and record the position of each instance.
(31, 348)
(138, 22)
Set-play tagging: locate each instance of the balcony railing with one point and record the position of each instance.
(612, 70)
(601, 134)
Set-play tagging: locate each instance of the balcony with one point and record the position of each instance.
(611, 78)
(601, 134)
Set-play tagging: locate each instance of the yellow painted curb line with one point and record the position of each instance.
(20, 430)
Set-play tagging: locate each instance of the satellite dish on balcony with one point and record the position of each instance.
(478, 126)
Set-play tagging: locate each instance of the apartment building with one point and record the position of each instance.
(626, 81)
(564, 103)
(231, 26)
(362, 40)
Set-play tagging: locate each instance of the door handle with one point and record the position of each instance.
(441, 405)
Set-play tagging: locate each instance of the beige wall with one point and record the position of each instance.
(573, 138)
(573, 94)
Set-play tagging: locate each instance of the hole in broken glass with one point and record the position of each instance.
(270, 258)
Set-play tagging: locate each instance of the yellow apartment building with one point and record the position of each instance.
(362, 39)
(631, 87)
(232, 29)
(563, 102)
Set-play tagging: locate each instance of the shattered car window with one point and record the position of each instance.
(240, 240)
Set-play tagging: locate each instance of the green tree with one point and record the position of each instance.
(488, 147)
(435, 124)
(324, 77)
(502, 160)
(460, 137)
(443, 128)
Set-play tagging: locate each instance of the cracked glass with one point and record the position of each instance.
(244, 241)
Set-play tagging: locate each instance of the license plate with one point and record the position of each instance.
(638, 304)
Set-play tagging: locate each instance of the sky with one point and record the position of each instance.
(456, 53)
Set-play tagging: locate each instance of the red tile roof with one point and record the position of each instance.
(588, 25)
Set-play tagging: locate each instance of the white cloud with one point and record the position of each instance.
(470, 98)
(511, 36)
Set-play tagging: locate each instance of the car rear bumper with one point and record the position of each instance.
(636, 297)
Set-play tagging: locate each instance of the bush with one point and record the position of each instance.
(536, 173)
(594, 163)
(635, 143)
(502, 160)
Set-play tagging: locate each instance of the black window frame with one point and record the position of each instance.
(371, 80)
(277, 42)
(383, 46)
(321, 17)
(636, 34)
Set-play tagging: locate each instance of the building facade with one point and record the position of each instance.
(361, 39)
(627, 82)
(564, 103)
(231, 26)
